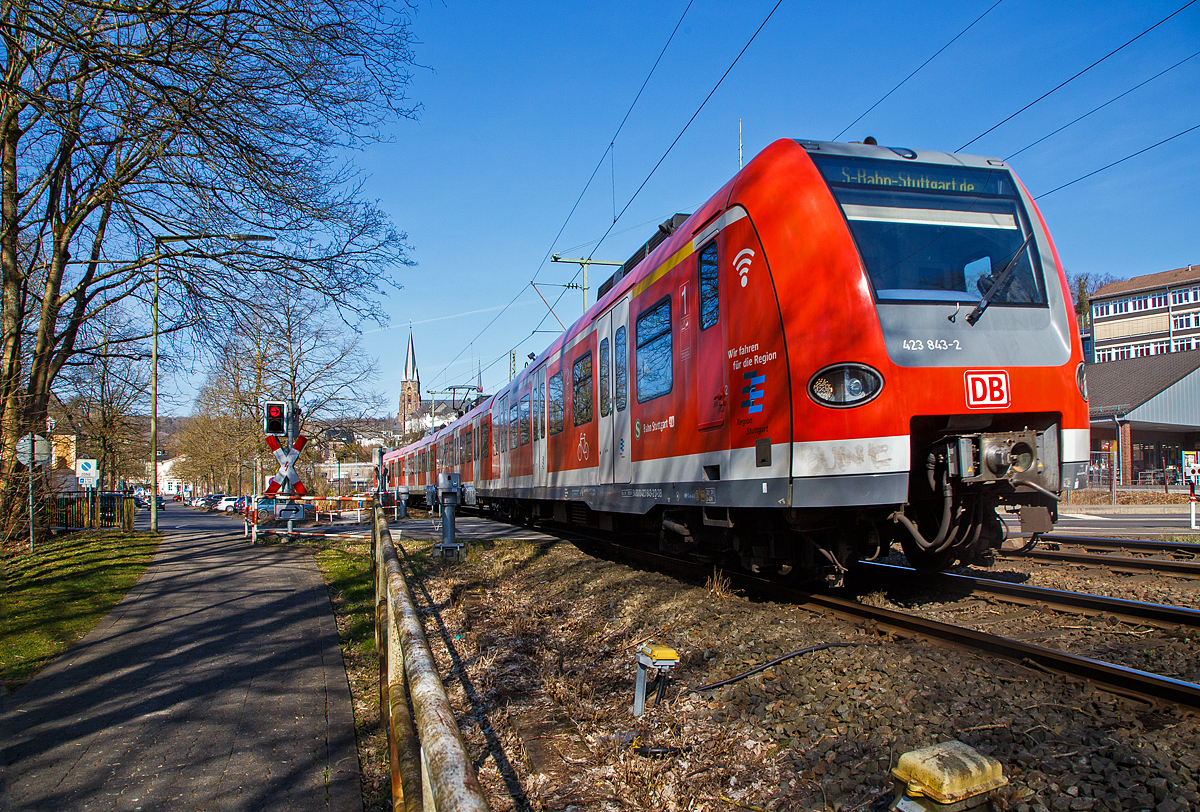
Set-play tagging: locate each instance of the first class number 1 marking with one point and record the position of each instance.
(932, 344)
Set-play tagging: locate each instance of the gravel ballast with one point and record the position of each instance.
(536, 642)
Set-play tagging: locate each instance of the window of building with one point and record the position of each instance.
(1158, 300)
(1140, 303)
(1161, 347)
(1103, 355)
(1182, 321)
(581, 390)
(621, 362)
(1182, 296)
(1121, 306)
(1102, 308)
(513, 435)
(654, 352)
(525, 420)
(1121, 353)
(709, 305)
(1141, 350)
(605, 397)
(1183, 344)
(556, 402)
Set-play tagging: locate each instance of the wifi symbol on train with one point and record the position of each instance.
(742, 264)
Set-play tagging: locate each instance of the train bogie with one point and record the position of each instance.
(847, 347)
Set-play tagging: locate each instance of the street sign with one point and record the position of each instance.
(287, 476)
(87, 472)
(40, 446)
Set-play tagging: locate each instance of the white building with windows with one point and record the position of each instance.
(1148, 315)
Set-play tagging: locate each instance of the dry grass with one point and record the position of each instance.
(1094, 496)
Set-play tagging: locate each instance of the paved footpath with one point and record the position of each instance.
(216, 684)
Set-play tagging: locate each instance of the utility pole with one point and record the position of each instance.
(584, 263)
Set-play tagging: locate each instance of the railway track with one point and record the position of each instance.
(1074, 602)
(1137, 545)
(1115, 678)
(1190, 568)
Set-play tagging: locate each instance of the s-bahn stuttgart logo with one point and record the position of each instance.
(988, 389)
(755, 392)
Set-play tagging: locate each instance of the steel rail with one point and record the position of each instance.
(1125, 562)
(1135, 611)
(433, 767)
(1115, 678)
(1188, 547)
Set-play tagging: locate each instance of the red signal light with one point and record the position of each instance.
(275, 420)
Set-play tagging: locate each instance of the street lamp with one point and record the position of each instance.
(159, 242)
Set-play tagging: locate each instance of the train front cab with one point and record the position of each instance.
(936, 370)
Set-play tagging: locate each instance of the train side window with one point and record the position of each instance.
(541, 407)
(605, 397)
(654, 351)
(502, 425)
(525, 420)
(581, 390)
(512, 426)
(485, 438)
(468, 446)
(621, 368)
(710, 310)
(556, 402)
(537, 413)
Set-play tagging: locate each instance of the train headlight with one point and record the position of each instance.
(844, 385)
(1081, 380)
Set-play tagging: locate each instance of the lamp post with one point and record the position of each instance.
(159, 242)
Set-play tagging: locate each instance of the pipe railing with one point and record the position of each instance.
(430, 768)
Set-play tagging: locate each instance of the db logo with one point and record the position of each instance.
(988, 389)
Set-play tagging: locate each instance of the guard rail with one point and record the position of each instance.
(430, 768)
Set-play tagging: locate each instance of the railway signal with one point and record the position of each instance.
(286, 480)
(275, 418)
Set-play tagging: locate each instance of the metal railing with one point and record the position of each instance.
(430, 768)
(100, 510)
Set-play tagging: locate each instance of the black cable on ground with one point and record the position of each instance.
(772, 663)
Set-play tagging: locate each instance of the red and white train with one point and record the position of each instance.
(848, 345)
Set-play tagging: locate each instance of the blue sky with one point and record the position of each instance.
(520, 101)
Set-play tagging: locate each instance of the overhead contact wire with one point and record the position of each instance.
(1076, 76)
(1101, 107)
(732, 65)
(1114, 163)
(586, 186)
(914, 73)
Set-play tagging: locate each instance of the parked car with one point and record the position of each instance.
(212, 500)
(227, 503)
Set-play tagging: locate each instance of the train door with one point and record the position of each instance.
(500, 427)
(712, 366)
(540, 477)
(615, 433)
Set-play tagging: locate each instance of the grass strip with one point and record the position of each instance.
(52, 597)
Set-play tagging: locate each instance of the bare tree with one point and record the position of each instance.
(1083, 287)
(120, 123)
(293, 351)
(105, 398)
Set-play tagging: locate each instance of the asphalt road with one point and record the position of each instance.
(216, 683)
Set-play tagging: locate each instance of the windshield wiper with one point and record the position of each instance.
(975, 314)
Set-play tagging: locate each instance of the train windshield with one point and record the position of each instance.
(937, 233)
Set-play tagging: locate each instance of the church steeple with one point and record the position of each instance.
(410, 390)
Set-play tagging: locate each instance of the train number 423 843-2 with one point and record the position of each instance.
(932, 344)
